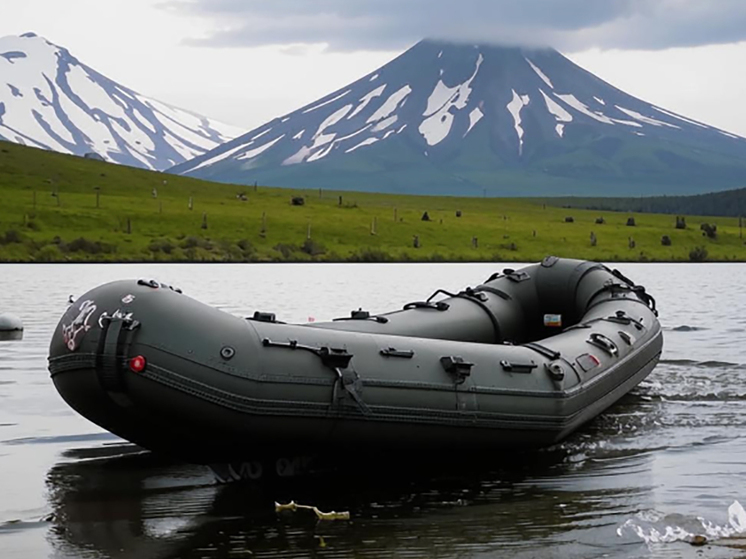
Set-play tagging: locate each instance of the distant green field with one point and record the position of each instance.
(49, 213)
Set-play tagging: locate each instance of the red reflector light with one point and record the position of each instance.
(137, 364)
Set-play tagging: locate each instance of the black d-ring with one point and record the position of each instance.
(227, 352)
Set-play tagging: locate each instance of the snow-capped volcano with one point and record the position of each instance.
(465, 119)
(49, 99)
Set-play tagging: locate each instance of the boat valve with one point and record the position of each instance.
(555, 371)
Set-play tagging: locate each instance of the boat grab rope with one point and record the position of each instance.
(638, 289)
(338, 360)
(642, 295)
(473, 295)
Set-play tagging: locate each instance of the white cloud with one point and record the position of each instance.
(393, 24)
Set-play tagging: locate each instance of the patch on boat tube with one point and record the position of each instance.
(588, 362)
(553, 320)
(74, 332)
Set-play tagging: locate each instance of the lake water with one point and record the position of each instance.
(667, 462)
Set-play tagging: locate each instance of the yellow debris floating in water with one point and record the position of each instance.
(293, 506)
(698, 540)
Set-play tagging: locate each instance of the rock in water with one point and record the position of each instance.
(11, 327)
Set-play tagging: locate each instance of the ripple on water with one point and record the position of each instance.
(666, 447)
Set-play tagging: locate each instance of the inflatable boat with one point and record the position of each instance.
(522, 360)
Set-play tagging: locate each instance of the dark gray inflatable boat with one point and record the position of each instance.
(520, 361)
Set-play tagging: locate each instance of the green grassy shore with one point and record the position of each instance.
(58, 208)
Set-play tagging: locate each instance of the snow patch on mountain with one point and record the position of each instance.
(366, 99)
(366, 142)
(560, 114)
(541, 74)
(392, 104)
(474, 117)
(572, 101)
(429, 101)
(327, 102)
(515, 107)
(53, 101)
(679, 117)
(250, 154)
(382, 125)
(645, 119)
(220, 157)
(442, 100)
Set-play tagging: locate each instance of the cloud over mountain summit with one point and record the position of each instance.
(571, 25)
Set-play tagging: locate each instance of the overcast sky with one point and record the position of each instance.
(247, 61)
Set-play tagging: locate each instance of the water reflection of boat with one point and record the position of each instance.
(138, 505)
(522, 360)
(146, 507)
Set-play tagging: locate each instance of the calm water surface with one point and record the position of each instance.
(667, 462)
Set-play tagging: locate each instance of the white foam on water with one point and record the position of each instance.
(599, 100)
(299, 135)
(654, 527)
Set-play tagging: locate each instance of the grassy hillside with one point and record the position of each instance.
(49, 212)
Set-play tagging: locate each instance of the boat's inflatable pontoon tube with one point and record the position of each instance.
(174, 375)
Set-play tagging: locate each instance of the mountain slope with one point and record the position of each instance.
(471, 119)
(49, 99)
